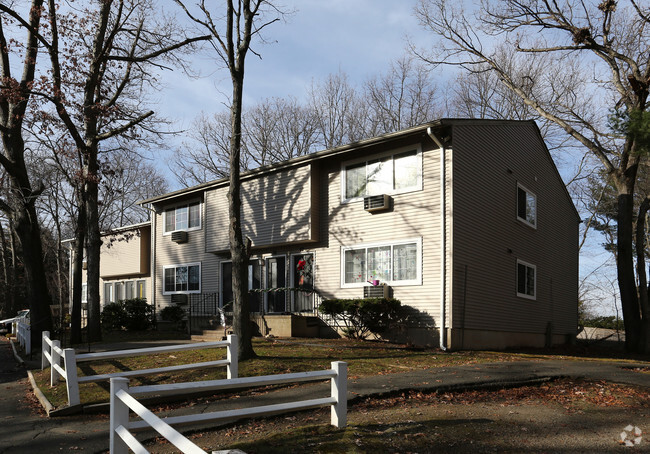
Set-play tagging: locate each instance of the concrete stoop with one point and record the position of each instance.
(209, 335)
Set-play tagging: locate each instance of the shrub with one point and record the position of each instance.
(113, 317)
(172, 313)
(139, 314)
(362, 316)
(133, 315)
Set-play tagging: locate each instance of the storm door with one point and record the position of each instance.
(276, 278)
(302, 266)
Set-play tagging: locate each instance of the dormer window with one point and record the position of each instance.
(183, 217)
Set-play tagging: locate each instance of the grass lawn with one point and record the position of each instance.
(274, 357)
(280, 356)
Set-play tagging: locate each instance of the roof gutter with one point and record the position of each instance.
(443, 237)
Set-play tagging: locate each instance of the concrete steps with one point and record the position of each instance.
(210, 335)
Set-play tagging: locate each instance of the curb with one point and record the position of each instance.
(47, 406)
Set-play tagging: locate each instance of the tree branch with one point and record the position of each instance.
(124, 128)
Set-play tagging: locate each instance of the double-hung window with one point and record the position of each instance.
(182, 278)
(396, 263)
(526, 206)
(389, 174)
(526, 280)
(183, 217)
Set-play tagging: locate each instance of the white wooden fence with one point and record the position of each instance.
(24, 335)
(121, 438)
(52, 354)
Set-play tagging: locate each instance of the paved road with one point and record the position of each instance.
(24, 431)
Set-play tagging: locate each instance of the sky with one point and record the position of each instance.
(358, 37)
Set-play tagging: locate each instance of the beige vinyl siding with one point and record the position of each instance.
(489, 162)
(193, 251)
(276, 210)
(125, 253)
(413, 215)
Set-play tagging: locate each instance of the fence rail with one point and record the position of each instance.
(122, 400)
(52, 355)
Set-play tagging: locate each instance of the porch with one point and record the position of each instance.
(208, 320)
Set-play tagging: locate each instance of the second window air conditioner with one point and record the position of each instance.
(376, 291)
(376, 203)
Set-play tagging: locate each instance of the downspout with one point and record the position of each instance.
(152, 260)
(443, 237)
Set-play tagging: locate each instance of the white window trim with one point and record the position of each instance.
(112, 292)
(182, 292)
(418, 186)
(523, 295)
(144, 287)
(180, 205)
(528, 191)
(84, 292)
(416, 281)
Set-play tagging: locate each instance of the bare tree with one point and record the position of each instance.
(205, 156)
(403, 97)
(233, 32)
(573, 63)
(15, 94)
(340, 115)
(101, 61)
(277, 130)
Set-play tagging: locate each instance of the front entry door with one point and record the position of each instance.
(276, 278)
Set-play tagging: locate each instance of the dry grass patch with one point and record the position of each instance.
(274, 357)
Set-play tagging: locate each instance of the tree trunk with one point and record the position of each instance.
(7, 309)
(93, 246)
(77, 283)
(241, 309)
(26, 227)
(625, 269)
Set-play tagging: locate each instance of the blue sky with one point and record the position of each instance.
(358, 37)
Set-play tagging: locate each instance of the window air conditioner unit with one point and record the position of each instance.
(180, 298)
(179, 237)
(376, 291)
(376, 203)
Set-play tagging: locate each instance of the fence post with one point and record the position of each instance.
(45, 336)
(232, 370)
(340, 393)
(56, 359)
(71, 380)
(119, 416)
